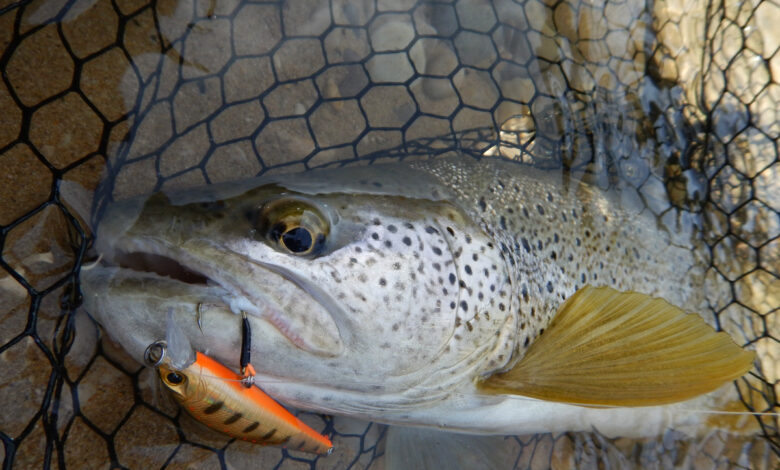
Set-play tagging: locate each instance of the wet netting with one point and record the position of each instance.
(674, 101)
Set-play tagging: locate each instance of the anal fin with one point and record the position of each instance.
(606, 347)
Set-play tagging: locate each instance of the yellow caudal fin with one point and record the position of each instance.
(606, 347)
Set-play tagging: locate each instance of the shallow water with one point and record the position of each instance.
(673, 103)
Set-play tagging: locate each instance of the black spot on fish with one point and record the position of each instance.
(268, 435)
(214, 408)
(392, 228)
(526, 245)
(468, 269)
(251, 427)
(452, 278)
(437, 250)
(388, 243)
(233, 418)
(549, 287)
(540, 209)
(525, 212)
(430, 230)
(382, 282)
(407, 241)
(464, 305)
(482, 204)
(375, 236)
(450, 231)
(452, 304)
(502, 221)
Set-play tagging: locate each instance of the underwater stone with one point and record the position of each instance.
(388, 106)
(291, 99)
(476, 88)
(433, 56)
(346, 45)
(435, 96)
(298, 58)
(389, 68)
(391, 32)
(474, 49)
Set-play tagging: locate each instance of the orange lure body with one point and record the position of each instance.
(215, 396)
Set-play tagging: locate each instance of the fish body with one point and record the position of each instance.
(215, 396)
(389, 292)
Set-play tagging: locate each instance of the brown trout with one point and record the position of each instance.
(478, 296)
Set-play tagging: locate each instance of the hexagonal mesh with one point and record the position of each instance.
(674, 102)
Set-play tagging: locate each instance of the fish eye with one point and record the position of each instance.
(297, 240)
(293, 225)
(173, 378)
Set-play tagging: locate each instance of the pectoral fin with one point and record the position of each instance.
(606, 347)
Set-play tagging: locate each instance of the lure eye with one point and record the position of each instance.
(174, 379)
(293, 225)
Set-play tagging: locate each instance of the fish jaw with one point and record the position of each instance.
(200, 265)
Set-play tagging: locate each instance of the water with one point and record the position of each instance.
(673, 103)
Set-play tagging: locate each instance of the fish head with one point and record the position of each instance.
(341, 286)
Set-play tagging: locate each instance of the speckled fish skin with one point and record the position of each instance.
(433, 274)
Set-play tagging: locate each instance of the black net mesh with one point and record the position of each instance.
(675, 103)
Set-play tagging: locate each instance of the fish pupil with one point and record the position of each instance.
(297, 240)
(174, 378)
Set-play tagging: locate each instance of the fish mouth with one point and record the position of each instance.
(161, 265)
(312, 330)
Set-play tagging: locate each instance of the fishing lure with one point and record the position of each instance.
(218, 397)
